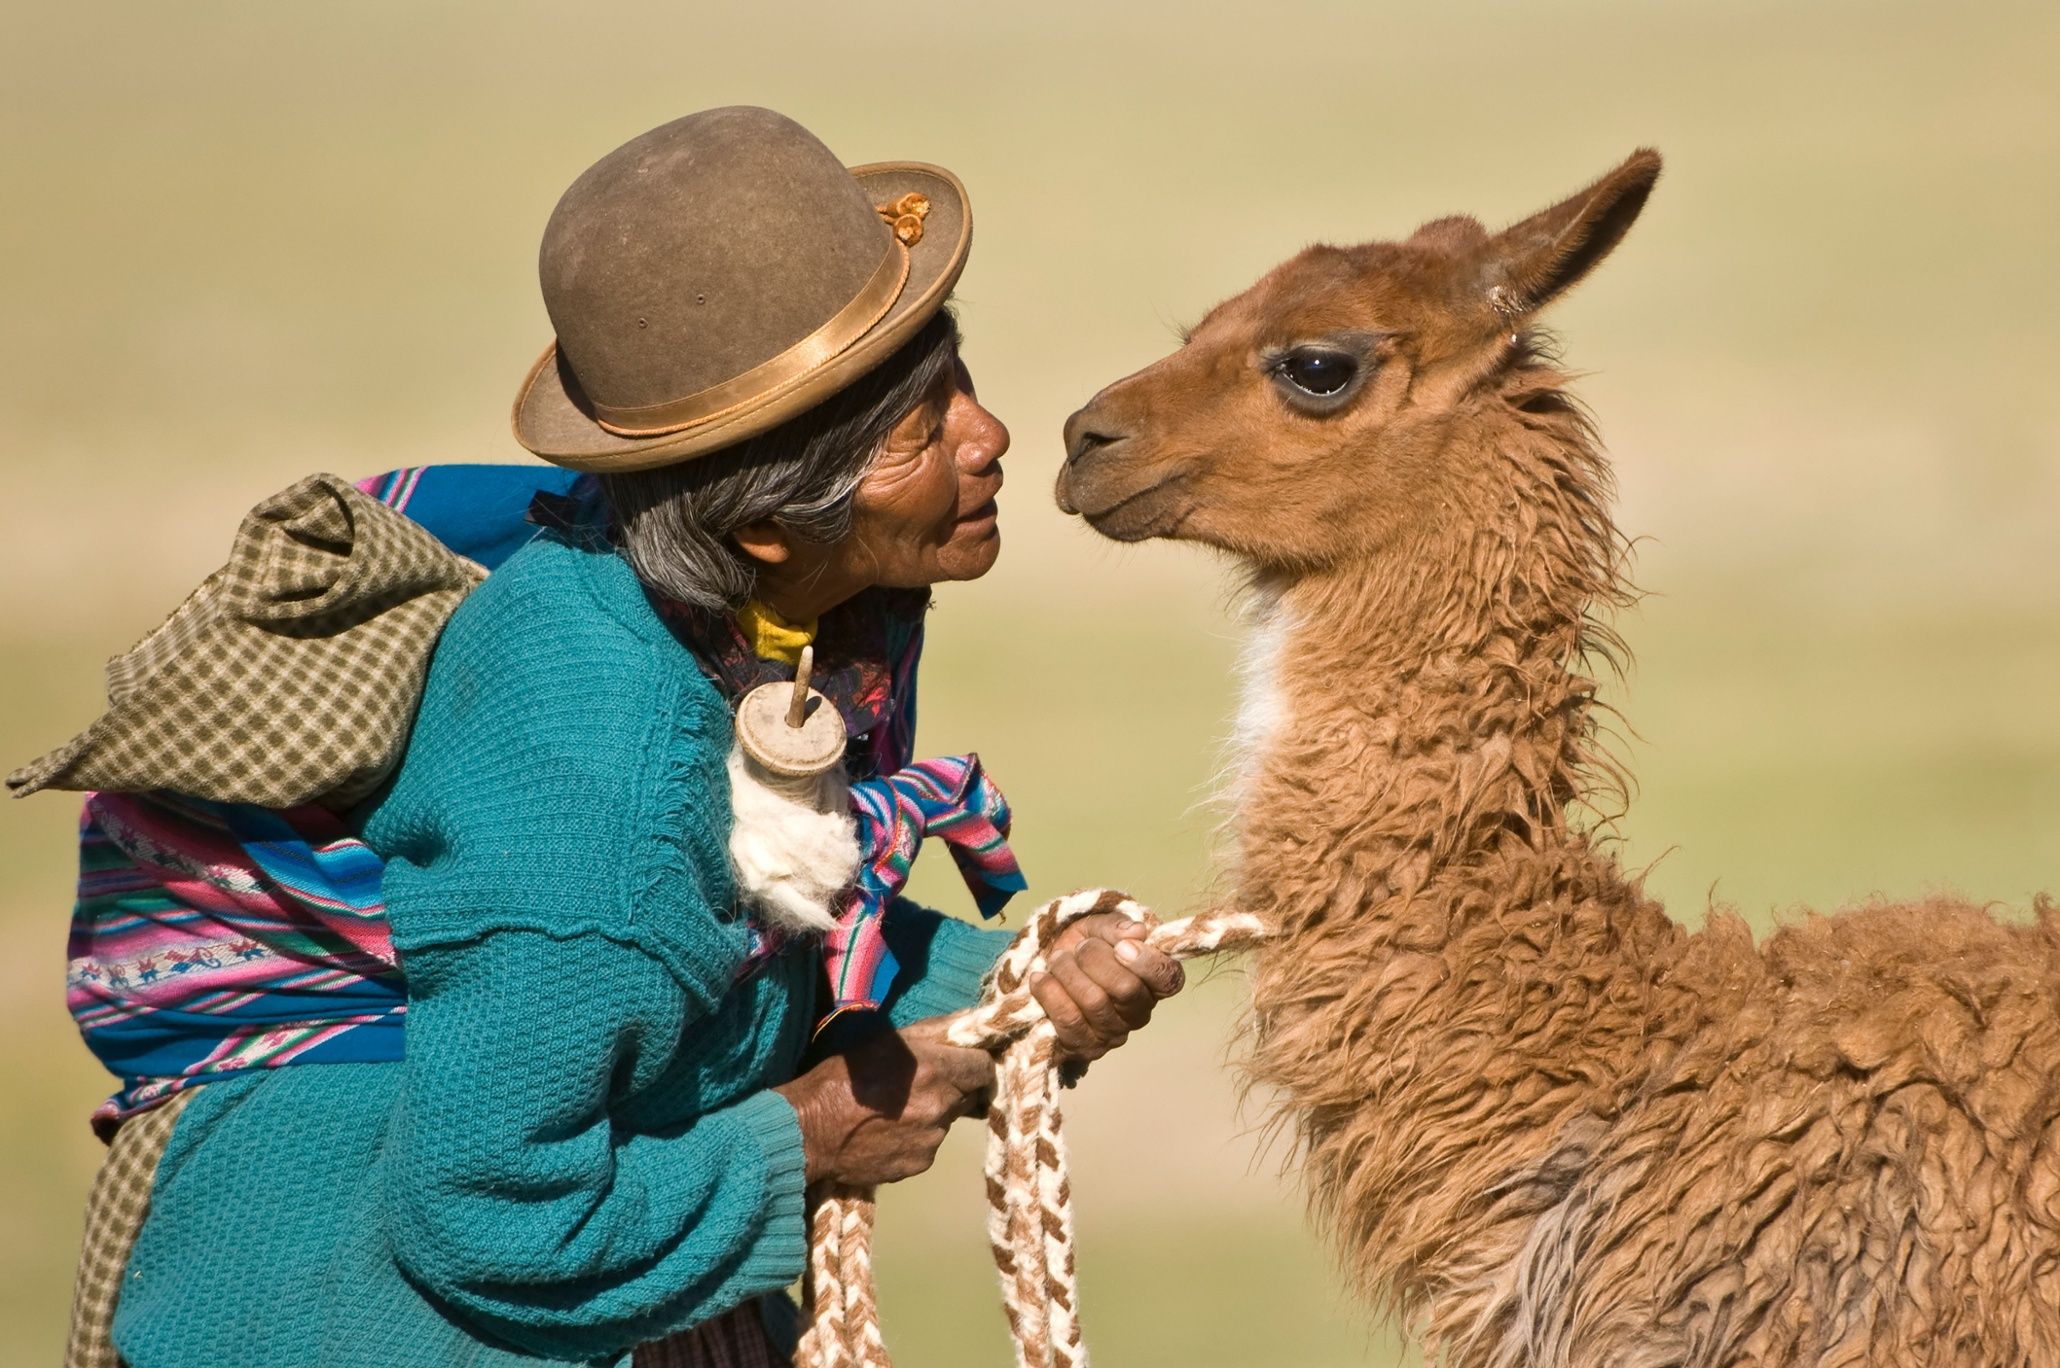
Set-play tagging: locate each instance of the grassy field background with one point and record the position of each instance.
(241, 243)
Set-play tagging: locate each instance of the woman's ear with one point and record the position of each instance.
(764, 541)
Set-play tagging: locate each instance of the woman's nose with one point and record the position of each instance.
(986, 439)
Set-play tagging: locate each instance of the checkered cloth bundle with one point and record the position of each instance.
(1029, 1199)
(308, 646)
(114, 1218)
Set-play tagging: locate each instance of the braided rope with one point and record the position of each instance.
(1029, 1198)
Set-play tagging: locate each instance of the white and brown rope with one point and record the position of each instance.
(1029, 1200)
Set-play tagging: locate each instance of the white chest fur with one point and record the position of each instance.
(1262, 711)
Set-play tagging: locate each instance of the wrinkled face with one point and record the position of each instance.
(925, 512)
(1293, 426)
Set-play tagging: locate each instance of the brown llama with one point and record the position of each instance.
(1544, 1124)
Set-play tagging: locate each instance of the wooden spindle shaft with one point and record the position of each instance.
(797, 711)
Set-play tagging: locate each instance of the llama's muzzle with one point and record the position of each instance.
(1085, 437)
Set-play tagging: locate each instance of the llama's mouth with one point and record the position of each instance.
(1155, 511)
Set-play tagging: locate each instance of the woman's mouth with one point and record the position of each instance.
(984, 514)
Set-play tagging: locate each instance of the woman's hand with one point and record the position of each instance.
(877, 1112)
(1101, 982)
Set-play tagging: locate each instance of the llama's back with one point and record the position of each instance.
(1848, 1162)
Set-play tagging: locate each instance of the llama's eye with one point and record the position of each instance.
(1320, 373)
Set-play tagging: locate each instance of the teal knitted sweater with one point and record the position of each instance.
(580, 1152)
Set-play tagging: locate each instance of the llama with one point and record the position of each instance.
(1544, 1124)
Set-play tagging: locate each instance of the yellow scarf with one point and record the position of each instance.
(772, 637)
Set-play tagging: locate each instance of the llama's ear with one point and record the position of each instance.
(1528, 264)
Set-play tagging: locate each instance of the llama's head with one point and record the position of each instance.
(1324, 415)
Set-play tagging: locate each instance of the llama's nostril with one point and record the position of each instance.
(1083, 435)
(1084, 443)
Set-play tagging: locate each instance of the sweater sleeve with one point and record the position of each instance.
(514, 1198)
(944, 961)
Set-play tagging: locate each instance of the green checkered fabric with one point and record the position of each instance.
(291, 673)
(114, 1216)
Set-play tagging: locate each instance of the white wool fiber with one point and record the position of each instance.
(793, 844)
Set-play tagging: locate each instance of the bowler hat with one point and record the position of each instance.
(720, 274)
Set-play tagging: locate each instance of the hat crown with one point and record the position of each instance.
(701, 249)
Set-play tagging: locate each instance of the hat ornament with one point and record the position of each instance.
(905, 216)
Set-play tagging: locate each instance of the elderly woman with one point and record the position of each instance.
(609, 1105)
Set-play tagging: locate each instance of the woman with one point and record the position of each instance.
(607, 1110)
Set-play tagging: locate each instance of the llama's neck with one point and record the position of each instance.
(1365, 781)
(1431, 1018)
(1400, 727)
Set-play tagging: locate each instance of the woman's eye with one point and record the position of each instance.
(1318, 372)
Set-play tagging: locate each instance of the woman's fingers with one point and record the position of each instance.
(1128, 938)
(1107, 926)
(964, 1071)
(1160, 971)
(1068, 1022)
(1085, 1018)
(876, 1113)
(1101, 983)
(1127, 992)
(1098, 1006)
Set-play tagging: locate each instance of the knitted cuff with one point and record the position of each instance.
(780, 1253)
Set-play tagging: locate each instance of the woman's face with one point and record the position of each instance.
(923, 514)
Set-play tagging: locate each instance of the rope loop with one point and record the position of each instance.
(1029, 1199)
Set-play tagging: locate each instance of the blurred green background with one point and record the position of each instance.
(238, 243)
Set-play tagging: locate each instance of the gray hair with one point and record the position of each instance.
(674, 523)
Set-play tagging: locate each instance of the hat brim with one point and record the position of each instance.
(553, 420)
